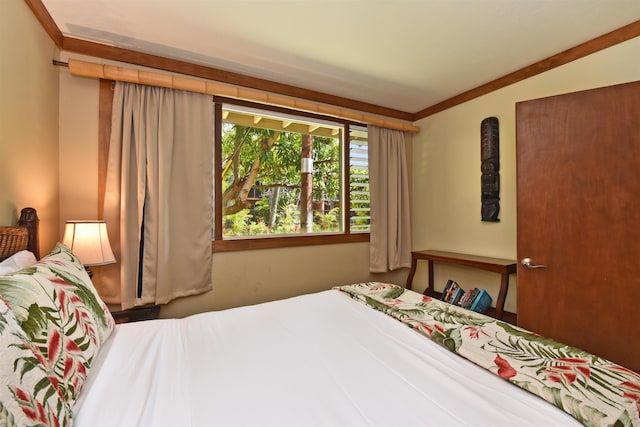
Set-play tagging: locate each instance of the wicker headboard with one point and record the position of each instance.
(22, 236)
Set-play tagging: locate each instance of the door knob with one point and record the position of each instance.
(528, 263)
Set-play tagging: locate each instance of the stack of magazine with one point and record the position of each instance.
(473, 299)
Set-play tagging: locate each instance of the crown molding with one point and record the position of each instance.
(587, 48)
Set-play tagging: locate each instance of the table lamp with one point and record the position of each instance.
(89, 241)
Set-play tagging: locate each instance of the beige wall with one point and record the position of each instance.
(28, 121)
(239, 278)
(78, 147)
(251, 277)
(446, 166)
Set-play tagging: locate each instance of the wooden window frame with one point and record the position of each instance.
(249, 243)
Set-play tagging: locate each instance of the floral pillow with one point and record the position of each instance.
(62, 316)
(29, 395)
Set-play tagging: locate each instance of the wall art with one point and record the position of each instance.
(490, 167)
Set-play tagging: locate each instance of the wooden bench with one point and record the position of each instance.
(504, 267)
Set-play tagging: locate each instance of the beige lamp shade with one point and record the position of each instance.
(89, 241)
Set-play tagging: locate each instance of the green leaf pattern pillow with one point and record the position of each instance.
(62, 316)
(29, 395)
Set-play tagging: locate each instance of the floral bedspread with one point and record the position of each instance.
(593, 390)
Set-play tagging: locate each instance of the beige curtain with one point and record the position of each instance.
(159, 194)
(390, 244)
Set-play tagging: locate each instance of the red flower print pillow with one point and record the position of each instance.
(62, 316)
(29, 395)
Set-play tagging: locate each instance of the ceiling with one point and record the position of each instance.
(401, 54)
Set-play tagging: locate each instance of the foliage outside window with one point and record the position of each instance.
(283, 175)
(359, 180)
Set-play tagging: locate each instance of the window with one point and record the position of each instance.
(288, 174)
(359, 180)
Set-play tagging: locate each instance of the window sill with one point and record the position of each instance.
(286, 242)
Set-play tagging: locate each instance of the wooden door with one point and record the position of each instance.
(578, 195)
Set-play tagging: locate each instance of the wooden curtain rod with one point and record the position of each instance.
(110, 72)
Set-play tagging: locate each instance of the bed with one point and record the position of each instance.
(367, 354)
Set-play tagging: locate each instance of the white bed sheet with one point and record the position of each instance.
(316, 360)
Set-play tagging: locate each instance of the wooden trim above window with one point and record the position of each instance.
(245, 244)
(132, 75)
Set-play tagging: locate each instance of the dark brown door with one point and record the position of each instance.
(578, 195)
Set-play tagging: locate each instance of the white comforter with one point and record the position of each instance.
(315, 360)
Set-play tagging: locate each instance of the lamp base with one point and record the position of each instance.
(89, 272)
